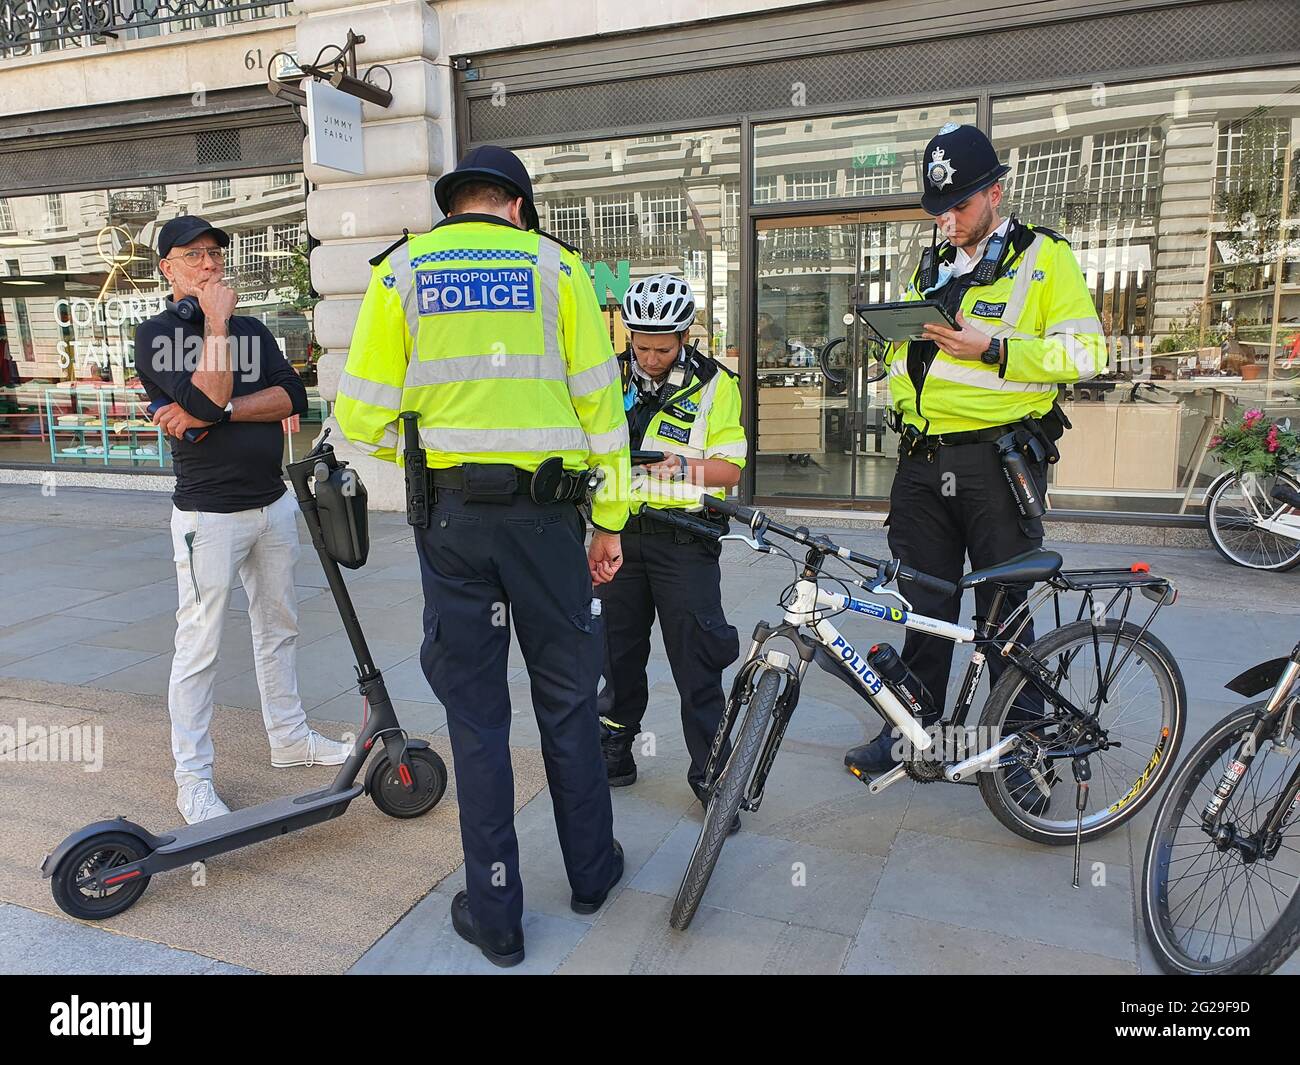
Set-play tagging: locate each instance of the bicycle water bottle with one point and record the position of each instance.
(902, 681)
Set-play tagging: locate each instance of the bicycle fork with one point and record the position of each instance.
(1272, 722)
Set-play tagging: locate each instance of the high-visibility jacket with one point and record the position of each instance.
(699, 419)
(494, 336)
(1041, 304)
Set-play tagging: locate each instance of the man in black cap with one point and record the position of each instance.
(219, 387)
(491, 333)
(1026, 323)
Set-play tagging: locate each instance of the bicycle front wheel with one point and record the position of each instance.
(1206, 910)
(1135, 689)
(1233, 507)
(726, 799)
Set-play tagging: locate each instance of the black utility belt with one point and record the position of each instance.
(500, 483)
(914, 442)
(648, 526)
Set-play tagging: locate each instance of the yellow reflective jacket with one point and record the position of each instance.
(700, 420)
(494, 336)
(1041, 304)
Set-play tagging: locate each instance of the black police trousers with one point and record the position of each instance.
(940, 510)
(678, 577)
(484, 565)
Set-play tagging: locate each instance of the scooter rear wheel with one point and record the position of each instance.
(104, 851)
(430, 773)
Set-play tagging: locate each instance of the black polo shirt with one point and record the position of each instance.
(237, 465)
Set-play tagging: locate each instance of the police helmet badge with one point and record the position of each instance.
(940, 171)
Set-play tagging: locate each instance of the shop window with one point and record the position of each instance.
(875, 153)
(1184, 223)
(71, 396)
(630, 206)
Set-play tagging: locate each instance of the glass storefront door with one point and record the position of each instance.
(820, 420)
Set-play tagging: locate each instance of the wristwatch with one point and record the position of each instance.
(227, 414)
(993, 353)
(680, 474)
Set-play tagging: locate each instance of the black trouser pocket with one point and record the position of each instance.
(719, 641)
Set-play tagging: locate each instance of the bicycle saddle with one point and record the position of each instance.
(1029, 568)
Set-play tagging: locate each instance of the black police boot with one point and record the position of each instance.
(734, 827)
(578, 905)
(502, 952)
(616, 744)
(875, 756)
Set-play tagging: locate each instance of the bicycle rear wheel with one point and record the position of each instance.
(1232, 507)
(726, 799)
(1206, 910)
(1143, 715)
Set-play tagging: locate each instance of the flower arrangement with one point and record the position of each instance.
(1254, 444)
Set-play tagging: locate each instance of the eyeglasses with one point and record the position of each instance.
(195, 256)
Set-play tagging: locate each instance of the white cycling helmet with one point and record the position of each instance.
(660, 303)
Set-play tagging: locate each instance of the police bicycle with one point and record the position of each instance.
(1100, 695)
(1221, 880)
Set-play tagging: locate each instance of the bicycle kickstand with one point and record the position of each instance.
(1082, 774)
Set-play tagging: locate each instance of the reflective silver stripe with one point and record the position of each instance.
(495, 367)
(388, 440)
(593, 379)
(506, 441)
(1085, 362)
(699, 435)
(739, 450)
(608, 443)
(969, 375)
(404, 279)
(1024, 278)
(898, 368)
(377, 395)
(1075, 325)
(548, 270)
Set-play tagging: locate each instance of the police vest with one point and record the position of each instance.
(1040, 303)
(699, 419)
(493, 335)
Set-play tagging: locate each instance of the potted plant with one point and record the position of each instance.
(1253, 443)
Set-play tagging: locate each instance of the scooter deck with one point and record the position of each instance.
(241, 827)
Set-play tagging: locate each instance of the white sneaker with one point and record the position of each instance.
(314, 750)
(197, 801)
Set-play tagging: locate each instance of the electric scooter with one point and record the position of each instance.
(100, 870)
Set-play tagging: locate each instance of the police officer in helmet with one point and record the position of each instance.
(686, 405)
(1026, 324)
(491, 333)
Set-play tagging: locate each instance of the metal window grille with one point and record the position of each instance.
(1044, 176)
(217, 146)
(567, 219)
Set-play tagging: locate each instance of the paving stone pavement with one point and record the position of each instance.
(823, 879)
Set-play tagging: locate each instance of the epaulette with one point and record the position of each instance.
(562, 243)
(377, 259)
(1047, 232)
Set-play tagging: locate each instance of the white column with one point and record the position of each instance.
(406, 147)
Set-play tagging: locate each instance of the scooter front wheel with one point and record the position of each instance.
(430, 776)
(91, 859)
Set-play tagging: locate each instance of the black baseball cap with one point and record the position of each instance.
(187, 228)
(958, 162)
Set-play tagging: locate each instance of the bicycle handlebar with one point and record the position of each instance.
(892, 569)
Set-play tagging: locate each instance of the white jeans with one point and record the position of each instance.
(209, 549)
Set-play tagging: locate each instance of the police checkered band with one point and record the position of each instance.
(472, 255)
(660, 303)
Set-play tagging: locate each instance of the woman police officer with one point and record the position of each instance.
(687, 405)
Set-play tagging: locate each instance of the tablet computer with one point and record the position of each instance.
(904, 320)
